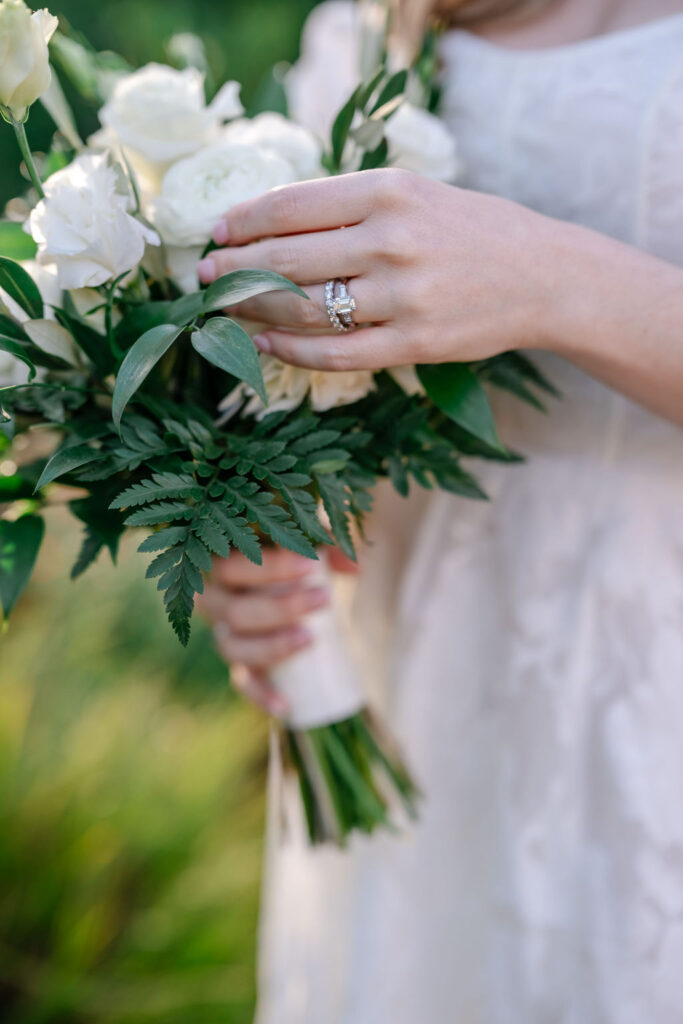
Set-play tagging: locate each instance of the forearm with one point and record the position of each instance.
(618, 315)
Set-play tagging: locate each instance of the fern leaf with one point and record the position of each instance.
(161, 486)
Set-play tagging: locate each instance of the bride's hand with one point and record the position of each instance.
(441, 273)
(257, 613)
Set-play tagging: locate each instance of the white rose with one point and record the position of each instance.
(84, 225)
(287, 386)
(24, 59)
(406, 377)
(161, 113)
(419, 141)
(276, 133)
(328, 70)
(196, 192)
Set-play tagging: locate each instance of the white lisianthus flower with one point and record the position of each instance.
(24, 59)
(161, 113)
(418, 141)
(277, 134)
(84, 226)
(287, 386)
(196, 191)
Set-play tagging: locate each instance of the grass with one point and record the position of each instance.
(131, 808)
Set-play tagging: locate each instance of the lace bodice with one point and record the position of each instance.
(592, 133)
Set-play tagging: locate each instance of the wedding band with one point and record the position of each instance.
(340, 305)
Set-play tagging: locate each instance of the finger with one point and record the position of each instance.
(315, 257)
(284, 309)
(255, 686)
(261, 650)
(261, 611)
(278, 566)
(368, 348)
(339, 562)
(292, 209)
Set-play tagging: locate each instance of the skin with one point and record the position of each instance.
(506, 277)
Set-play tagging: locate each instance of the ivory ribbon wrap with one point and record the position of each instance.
(321, 683)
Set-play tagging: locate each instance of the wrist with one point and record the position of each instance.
(595, 290)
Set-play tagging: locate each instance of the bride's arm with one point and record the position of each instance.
(446, 274)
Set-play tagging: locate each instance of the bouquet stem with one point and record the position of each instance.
(350, 778)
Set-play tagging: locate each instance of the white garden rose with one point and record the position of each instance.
(287, 386)
(24, 59)
(196, 191)
(161, 113)
(84, 226)
(420, 142)
(277, 134)
(329, 67)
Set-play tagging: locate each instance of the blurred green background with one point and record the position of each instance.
(131, 780)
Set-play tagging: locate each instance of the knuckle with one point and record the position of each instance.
(283, 259)
(395, 185)
(338, 357)
(284, 208)
(310, 314)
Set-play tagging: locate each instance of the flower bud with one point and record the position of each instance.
(24, 58)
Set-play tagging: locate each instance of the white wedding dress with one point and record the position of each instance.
(528, 653)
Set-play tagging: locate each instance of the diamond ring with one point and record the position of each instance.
(340, 305)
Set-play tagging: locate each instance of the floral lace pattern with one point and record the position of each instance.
(536, 663)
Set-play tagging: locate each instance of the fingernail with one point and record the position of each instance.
(220, 233)
(262, 343)
(206, 269)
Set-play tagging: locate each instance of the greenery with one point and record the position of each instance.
(131, 782)
(243, 41)
(131, 799)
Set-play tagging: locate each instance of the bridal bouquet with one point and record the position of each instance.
(124, 381)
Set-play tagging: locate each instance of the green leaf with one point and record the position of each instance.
(11, 329)
(363, 97)
(163, 539)
(395, 87)
(103, 528)
(140, 319)
(342, 125)
(19, 545)
(235, 287)
(15, 243)
(16, 349)
(238, 531)
(227, 345)
(66, 460)
(21, 287)
(139, 361)
(375, 157)
(185, 309)
(456, 390)
(162, 485)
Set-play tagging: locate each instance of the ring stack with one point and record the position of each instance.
(340, 305)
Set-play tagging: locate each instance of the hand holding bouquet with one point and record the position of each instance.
(164, 415)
